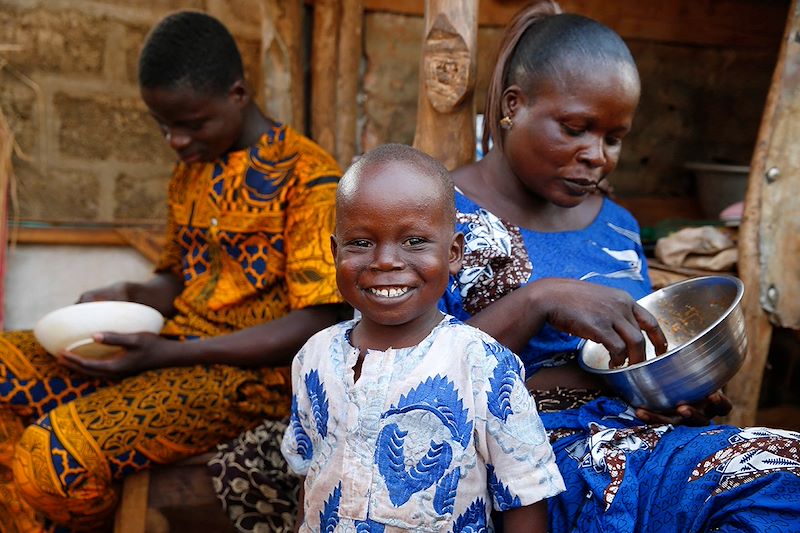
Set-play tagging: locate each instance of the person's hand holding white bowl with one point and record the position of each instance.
(76, 328)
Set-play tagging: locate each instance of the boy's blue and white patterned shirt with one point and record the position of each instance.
(429, 438)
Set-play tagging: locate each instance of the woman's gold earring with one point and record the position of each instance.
(506, 123)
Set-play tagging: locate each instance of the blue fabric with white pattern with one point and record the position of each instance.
(621, 474)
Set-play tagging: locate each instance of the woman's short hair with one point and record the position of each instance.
(189, 48)
(535, 45)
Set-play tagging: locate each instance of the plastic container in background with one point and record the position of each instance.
(71, 328)
(718, 185)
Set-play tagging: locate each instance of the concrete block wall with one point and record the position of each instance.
(91, 153)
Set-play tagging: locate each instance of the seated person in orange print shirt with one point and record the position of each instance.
(246, 277)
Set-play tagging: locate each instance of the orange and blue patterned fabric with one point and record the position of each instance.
(249, 235)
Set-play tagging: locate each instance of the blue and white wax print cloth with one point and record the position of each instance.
(430, 437)
(626, 476)
(500, 257)
(621, 474)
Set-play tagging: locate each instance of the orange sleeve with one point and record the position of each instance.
(310, 219)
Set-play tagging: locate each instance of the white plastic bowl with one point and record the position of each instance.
(71, 328)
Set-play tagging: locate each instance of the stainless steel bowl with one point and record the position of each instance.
(703, 321)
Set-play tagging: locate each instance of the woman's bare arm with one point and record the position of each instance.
(602, 314)
(273, 343)
(301, 511)
(528, 519)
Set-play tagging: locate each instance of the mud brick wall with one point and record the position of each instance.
(90, 151)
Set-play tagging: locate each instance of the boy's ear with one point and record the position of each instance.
(334, 246)
(456, 253)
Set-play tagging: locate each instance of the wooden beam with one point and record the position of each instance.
(282, 61)
(324, 66)
(746, 23)
(779, 230)
(745, 387)
(348, 76)
(149, 241)
(71, 236)
(446, 103)
(131, 514)
(6, 180)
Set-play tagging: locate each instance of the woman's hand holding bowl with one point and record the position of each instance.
(136, 353)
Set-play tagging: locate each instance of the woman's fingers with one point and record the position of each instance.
(654, 418)
(648, 323)
(717, 404)
(629, 327)
(111, 366)
(634, 350)
(133, 355)
(693, 416)
(65, 359)
(608, 316)
(697, 414)
(89, 367)
(127, 340)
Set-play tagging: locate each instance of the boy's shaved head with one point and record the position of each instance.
(425, 166)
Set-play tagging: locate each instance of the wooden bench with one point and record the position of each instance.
(171, 499)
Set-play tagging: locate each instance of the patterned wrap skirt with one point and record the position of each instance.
(621, 474)
(65, 439)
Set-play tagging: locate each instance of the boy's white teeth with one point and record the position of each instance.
(390, 292)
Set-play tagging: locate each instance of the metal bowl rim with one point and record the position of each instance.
(723, 316)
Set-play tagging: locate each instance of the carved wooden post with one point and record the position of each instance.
(350, 46)
(282, 61)
(446, 104)
(769, 237)
(324, 66)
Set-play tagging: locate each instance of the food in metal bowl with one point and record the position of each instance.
(704, 325)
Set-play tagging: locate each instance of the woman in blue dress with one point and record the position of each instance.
(549, 259)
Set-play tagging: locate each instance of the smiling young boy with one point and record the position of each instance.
(407, 418)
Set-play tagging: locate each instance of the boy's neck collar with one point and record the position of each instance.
(404, 342)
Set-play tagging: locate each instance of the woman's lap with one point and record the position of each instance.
(31, 381)
(620, 475)
(625, 476)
